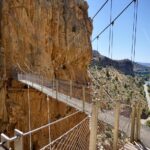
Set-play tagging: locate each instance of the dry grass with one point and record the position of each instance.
(117, 86)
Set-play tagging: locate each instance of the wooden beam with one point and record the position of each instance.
(132, 123)
(116, 126)
(93, 126)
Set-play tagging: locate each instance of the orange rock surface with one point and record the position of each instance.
(48, 37)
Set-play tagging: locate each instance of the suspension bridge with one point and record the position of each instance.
(56, 89)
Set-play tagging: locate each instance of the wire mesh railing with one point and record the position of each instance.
(70, 135)
(76, 138)
(116, 125)
(69, 88)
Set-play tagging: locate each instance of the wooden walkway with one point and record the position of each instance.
(135, 146)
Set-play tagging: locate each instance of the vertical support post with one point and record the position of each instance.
(138, 123)
(48, 112)
(56, 89)
(41, 83)
(116, 126)
(18, 144)
(83, 94)
(29, 114)
(4, 138)
(93, 128)
(53, 84)
(132, 124)
(70, 89)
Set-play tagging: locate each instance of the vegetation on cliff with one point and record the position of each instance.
(148, 89)
(118, 86)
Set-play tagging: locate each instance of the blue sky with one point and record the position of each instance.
(122, 29)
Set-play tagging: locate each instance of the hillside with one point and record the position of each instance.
(117, 86)
(117, 80)
(144, 64)
(141, 69)
(125, 66)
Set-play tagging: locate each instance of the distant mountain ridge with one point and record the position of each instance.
(141, 68)
(125, 66)
(144, 64)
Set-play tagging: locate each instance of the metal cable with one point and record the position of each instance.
(133, 29)
(29, 113)
(136, 19)
(103, 5)
(72, 129)
(110, 29)
(115, 19)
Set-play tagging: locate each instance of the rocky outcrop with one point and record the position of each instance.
(125, 66)
(48, 37)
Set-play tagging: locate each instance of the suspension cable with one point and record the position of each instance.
(103, 5)
(112, 40)
(136, 19)
(110, 29)
(48, 112)
(29, 113)
(115, 19)
(133, 29)
(97, 43)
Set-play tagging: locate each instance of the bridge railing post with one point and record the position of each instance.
(71, 87)
(83, 94)
(56, 89)
(116, 126)
(53, 84)
(93, 126)
(4, 139)
(132, 124)
(18, 143)
(42, 83)
(138, 122)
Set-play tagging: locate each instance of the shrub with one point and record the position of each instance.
(116, 78)
(145, 114)
(149, 88)
(149, 112)
(148, 123)
(107, 74)
(125, 86)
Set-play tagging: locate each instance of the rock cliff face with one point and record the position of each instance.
(48, 37)
(51, 37)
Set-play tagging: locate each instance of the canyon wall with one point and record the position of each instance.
(49, 37)
(46, 37)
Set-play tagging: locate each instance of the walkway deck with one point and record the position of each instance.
(136, 146)
(105, 116)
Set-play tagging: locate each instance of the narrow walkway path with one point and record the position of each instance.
(105, 116)
(136, 146)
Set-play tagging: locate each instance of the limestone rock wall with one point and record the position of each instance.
(51, 37)
(47, 37)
